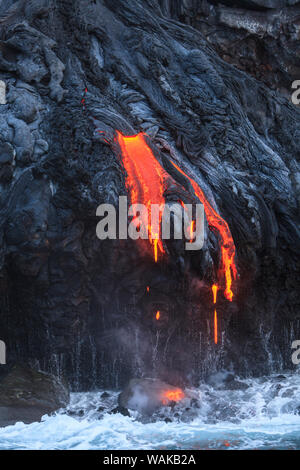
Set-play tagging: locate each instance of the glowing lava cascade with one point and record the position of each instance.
(145, 180)
(215, 292)
(145, 183)
(228, 268)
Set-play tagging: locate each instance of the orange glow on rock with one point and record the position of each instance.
(144, 180)
(216, 327)
(172, 395)
(157, 316)
(228, 268)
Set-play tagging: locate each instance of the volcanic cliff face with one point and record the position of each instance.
(260, 37)
(78, 74)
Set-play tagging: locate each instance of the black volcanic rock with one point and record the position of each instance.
(26, 395)
(78, 306)
(6, 153)
(260, 37)
(120, 409)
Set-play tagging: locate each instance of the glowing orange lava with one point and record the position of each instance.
(172, 395)
(216, 327)
(228, 268)
(157, 316)
(192, 231)
(155, 243)
(144, 180)
(215, 292)
(214, 289)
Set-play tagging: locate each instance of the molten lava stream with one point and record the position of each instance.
(192, 231)
(228, 268)
(215, 293)
(215, 327)
(144, 180)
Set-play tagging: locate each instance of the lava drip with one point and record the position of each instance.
(227, 269)
(215, 292)
(144, 181)
(215, 327)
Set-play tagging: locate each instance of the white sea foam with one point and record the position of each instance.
(264, 416)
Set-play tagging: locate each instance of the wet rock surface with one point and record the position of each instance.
(79, 306)
(26, 395)
(226, 381)
(120, 409)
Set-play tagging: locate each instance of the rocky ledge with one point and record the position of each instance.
(26, 395)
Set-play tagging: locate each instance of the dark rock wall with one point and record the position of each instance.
(26, 395)
(261, 37)
(78, 306)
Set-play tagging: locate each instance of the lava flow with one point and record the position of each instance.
(228, 268)
(172, 395)
(215, 292)
(144, 181)
(215, 327)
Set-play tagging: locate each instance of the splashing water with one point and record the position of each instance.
(263, 416)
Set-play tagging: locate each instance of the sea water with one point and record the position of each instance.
(266, 415)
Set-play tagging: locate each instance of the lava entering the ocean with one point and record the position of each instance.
(172, 395)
